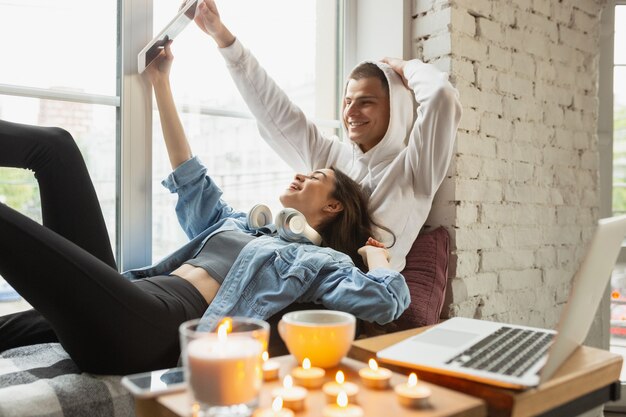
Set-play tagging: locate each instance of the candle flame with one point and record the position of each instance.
(277, 404)
(412, 380)
(227, 322)
(265, 356)
(342, 399)
(340, 377)
(222, 330)
(373, 365)
(288, 382)
(306, 363)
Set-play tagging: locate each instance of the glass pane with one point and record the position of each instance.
(620, 35)
(248, 171)
(62, 44)
(619, 140)
(93, 128)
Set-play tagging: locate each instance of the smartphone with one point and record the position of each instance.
(151, 384)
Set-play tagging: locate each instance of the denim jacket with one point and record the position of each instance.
(270, 273)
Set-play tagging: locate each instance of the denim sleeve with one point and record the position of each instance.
(379, 296)
(199, 202)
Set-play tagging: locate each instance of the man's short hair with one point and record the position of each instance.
(370, 70)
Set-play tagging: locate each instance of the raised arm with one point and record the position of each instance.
(281, 123)
(158, 73)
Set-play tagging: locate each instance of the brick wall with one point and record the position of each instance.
(522, 194)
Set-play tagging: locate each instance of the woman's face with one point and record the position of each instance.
(311, 195)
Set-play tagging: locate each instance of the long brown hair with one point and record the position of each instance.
(351, 227)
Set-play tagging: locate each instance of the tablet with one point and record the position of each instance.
(173, 28)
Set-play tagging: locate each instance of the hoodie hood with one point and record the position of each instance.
(401, 118)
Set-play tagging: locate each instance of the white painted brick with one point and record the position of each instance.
(466, 308)
(524, 109)
(468, 166)
(565, 177)
(524, 64)
(566, 259)
(573, 119)
(587, 179)
(522, 131)
(490, 102)
(523, 171)
(532, 22)
(466, 214)
(463, 21)
(481, 284)
(498, 58)
(475, 145)
(527, 194)
(564, 54)
(576, 39)
(561, 235)
(543, 6)
(566, 75)
(495, 126)
(585, 22)
(519, 152)
(554, 277)
(476, 7)
(553, 94)
(496, 169)
(592, 8)
(519, 237)
(442, 213)
(503, 12)
(505, 259)
(489, 30)
(469, 239)
(467, 263)
(508, 83)
(566, 215)
(560, 157)
(465, 70)
(470, 120)
(590, 198)
(523, 5)
(585, 83)
(469, 48)
(515, 280)
(444, 64)
(491, 304)
(563, 12)
(437, 46)
(431, 23)
(545, 257)
(474, 190)
(546, 71)
(422, 6)
(487, 79)
(586, 102)
(553, 115)
(584, 140)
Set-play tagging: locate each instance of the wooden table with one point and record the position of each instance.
(589, 378)
(444, 402)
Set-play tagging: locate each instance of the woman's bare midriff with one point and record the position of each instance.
(199, 278)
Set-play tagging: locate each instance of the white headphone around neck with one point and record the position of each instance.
(290, 223)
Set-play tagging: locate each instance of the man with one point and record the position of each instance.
(399, 156)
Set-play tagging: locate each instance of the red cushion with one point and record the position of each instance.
(426, 274)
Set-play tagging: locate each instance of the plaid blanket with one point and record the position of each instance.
(42, 380)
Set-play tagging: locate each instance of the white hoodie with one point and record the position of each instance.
(401, 173)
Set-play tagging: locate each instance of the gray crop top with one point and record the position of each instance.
(219, 253)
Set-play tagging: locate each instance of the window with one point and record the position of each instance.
(63, 73)
(296, 42)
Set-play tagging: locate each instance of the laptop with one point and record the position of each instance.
(170, 31)
(514, 356)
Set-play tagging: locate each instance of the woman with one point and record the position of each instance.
(108, 324)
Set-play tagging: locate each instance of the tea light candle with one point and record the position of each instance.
(277, 410)
(270, 368)
(292, 397)
(342, 408)
(308, 376)
(375, 377)
(411, 394)
(332, 389)
(224, 370)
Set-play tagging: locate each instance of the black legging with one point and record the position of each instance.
(66, 269)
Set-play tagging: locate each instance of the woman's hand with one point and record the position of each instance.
(209, 21)
(374, 254)
(398, 66)
(159, 70)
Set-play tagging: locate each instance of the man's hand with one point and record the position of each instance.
(159, 69)
(209, 21)
(398, 66)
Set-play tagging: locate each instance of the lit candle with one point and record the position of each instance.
(375, 377)
(277, 410)
(332, 389)
(342, 408)
(412, 394)
(292, 396)
(270, 368)
(308, 376)
(224, 370)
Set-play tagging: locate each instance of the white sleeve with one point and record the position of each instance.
(281, 123)
(431, 143)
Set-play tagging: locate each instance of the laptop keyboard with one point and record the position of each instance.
(508, 351)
